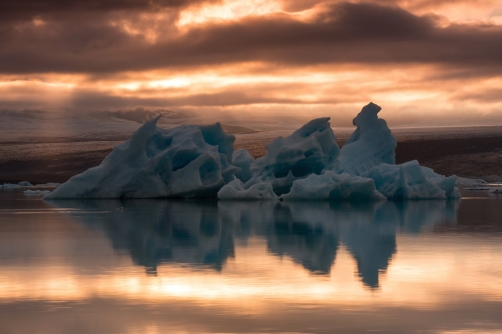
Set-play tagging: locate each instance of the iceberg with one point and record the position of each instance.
(187, 161)
(191, 161)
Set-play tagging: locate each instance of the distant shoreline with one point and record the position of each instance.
(466, 157)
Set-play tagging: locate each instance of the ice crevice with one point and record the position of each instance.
(191, 161)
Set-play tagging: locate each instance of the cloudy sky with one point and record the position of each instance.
(434, 62)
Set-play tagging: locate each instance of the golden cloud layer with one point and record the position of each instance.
(423, 61)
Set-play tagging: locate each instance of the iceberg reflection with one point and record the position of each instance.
(203, 233)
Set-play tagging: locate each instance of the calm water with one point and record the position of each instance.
(154, 266)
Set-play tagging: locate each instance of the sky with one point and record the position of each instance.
(425, 62)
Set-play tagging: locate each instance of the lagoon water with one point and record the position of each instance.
(158, 266)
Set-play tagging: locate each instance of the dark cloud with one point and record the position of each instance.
(422, 5)
(345, 33)
(29, 9)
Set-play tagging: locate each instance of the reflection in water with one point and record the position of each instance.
(202, 233)
(261, 267)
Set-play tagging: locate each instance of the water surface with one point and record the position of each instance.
(156, 266)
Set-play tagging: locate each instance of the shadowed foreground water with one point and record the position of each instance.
(155, 266)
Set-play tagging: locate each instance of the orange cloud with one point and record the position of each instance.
(419, 59)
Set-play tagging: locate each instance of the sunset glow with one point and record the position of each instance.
(293, 57)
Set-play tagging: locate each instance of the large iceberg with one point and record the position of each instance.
(199, 161)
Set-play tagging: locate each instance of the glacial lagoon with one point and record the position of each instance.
(207, 266)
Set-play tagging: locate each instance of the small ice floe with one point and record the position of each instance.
(472, 183)
(11, 186)
(497, 190)
(25, 184)
(36, 192)
(491, 187)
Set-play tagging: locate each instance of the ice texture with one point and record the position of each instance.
(235, 190)
(242, 159)
(332, 186)
(411, 181)
(371, 144)
(186, 161)
(199, 161)
(309, 150)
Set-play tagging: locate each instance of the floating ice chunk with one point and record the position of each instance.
(333, 186)
(466, 182)
(234, 190)
(492, 178)
(25, 184)
(409, 181)
(496, 190)
(310, 149)
(186, 161)
(242, 159)
(11, 186)
(36, 192)
(371, 144)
